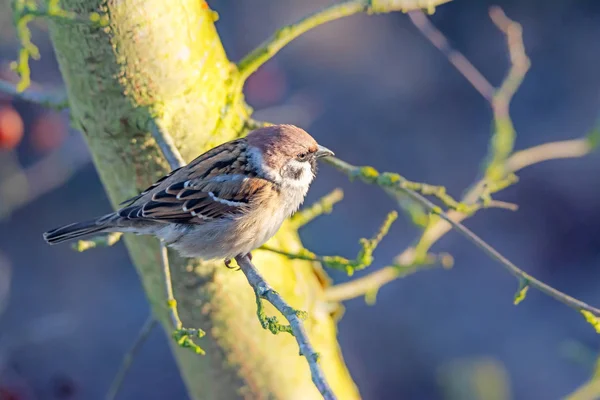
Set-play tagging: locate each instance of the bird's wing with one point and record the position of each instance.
(222, 159)
(218, 184)
(197, 202)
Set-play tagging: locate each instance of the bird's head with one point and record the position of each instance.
(285, 154)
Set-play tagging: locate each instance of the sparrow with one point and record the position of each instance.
(225, 203)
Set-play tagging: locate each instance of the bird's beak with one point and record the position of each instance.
(323, 152)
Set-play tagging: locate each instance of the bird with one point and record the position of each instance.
(225, 203)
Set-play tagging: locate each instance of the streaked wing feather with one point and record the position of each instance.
(206, 201)
(217, 184)
(225, 158)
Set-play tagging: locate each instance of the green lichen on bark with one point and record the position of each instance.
(162, 59)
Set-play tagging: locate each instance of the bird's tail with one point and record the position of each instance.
(79, 229)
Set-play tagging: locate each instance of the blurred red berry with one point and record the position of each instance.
(11, 128)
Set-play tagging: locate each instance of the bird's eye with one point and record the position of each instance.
(302, 157)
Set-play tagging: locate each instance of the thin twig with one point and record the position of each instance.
(502, 141)
(519, 62)
(20, 186)
(183, 336)
(167, 146)
(548, 151)
(520, 159)
(168, 285)
(363, 259)
(456, 58)
(143, 334)
(501, 163)
(380, 179)
(283, 36)
(265, 291)
(55, 99)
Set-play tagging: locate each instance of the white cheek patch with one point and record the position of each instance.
(305, 177)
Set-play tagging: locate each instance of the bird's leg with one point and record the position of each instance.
(228, 261)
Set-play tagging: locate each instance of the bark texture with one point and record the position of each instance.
(164, 59)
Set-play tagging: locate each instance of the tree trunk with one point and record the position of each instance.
(164, 59)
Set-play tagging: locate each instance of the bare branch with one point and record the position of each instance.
(519, 160)
(56, 99)
(264, 291)
(363, 259)
(143, 334)
(501, 169)
(167, 146)
(456, 58)
(283, 36)
(548, 151)
(183, 336)
(20, 186)
(382, 179)
(502, 141)
(519, 61)
(370, 284)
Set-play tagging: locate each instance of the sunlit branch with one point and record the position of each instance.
(374, 177)
(140, 339)
(283, 36)
(296, 328)
(520, 159)
(56, 99)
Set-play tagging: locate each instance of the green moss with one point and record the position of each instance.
(591, 319)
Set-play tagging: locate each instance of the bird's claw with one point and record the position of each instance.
(228, 264)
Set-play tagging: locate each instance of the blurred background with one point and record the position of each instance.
(377, 92)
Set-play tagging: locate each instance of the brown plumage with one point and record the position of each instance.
(224, 203)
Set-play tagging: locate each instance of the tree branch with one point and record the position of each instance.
(264, 291)
(373, 177)
(143, 334)
(502, 141)
(501, 165)
(265, 51)
(519, 160)
(167, 146)
(456, 58)
(363, 259)
(55, 99)
(183, 336)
